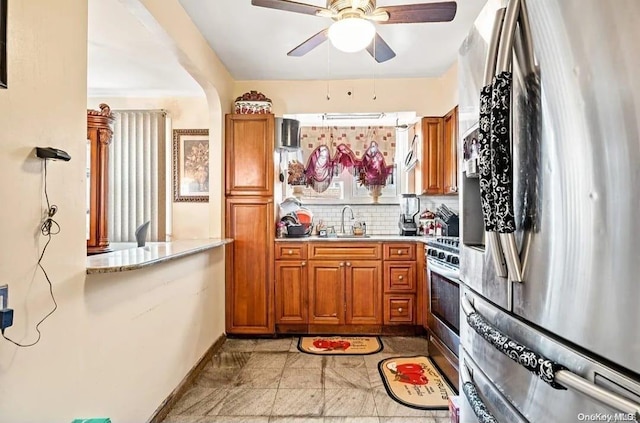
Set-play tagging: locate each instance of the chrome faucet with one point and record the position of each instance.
(342, 220)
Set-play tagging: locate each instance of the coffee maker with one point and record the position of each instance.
(409, 207)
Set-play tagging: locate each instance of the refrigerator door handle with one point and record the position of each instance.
(502, 161)
(471, 392)
(484, 125)
(537, 364)
(579, 384)
(549, 371)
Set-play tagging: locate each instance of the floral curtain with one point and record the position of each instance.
(368, 152)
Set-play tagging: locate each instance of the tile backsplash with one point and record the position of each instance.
(381, 219)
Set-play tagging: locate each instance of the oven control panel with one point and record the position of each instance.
(444, 251)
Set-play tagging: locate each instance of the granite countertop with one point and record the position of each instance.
(152, 253)
(370, 238)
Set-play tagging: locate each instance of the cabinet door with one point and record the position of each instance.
(432, 133)
(450, 147)
(326, 292)
(249, 154)
(249, 266)
(364, 292)
(291, 291)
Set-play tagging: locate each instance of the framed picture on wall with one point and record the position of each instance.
(190, 165)
(3, 43)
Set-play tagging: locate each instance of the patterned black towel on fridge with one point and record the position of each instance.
(500, 146)
(484, 135)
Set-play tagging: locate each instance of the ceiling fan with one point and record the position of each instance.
(353, 29)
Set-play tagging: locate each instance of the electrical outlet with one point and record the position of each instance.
(4, 296)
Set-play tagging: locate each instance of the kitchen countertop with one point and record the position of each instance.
(369, 238)
(152, 253)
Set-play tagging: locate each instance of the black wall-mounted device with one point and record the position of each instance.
(52, 153)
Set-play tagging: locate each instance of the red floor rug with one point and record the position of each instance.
(340, 345)
(415, 382)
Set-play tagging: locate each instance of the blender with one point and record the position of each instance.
(409, 207)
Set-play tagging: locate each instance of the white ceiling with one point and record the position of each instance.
(124, 59)
(253, 42)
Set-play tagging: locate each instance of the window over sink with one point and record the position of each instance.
(390, 133)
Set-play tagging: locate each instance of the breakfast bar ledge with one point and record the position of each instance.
(152, 253)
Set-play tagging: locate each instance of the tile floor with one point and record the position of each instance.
(271, 381)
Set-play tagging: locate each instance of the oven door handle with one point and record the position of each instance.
(554, 374)
(435, 267)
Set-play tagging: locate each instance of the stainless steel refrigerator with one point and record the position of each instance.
(549, 94)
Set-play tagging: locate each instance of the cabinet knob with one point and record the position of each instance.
(334, 315)
(400, 309)
(348, 264)
(341, 264)
(400, 277)
(303, 264)
(290, 252)
(399, 252)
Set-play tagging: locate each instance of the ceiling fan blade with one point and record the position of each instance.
(382, 50)
(378, 15)
(289, 6)
(424, 12)
(310, 44)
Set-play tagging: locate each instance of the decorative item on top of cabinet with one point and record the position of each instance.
(250, 142)
(99, 135)
(440, 157)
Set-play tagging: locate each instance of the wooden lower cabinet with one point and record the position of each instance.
(291, 292)
(398, 309)
(345, 292)
(363, 300)
(346, 287)
(249, 266)
(326, 293)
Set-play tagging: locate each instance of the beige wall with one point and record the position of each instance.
(189, 220)
(425, 96)
(118, 344)
(173, 27)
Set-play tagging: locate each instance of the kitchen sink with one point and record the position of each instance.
(352, 236)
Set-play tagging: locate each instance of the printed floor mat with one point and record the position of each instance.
(340, 345)
(415, 382)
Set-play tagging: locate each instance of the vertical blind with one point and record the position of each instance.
(136, 175)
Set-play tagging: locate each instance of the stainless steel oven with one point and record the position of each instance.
(443, 314)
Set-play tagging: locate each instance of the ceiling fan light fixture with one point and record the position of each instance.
(351, 34)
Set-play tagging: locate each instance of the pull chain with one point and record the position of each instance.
(374, 68)
(328, 70)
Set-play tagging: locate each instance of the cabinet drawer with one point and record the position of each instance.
(341, 251)
(402, 251)
(291, 250)
(399, 309)
(400, 277)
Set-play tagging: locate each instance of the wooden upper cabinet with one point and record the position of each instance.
(450, 171)
(440, 154)
(249, 154)
(432, 151)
